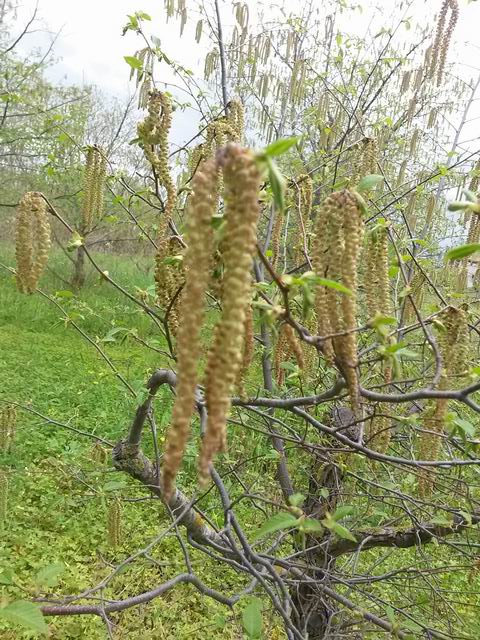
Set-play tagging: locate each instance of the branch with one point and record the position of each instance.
(403, 538)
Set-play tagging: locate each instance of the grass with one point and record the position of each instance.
(54, 540)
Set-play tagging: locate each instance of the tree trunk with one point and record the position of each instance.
(78, 279)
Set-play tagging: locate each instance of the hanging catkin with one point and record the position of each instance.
(8, 422)
(442, 39)
(114, 516)
(248, 351)
(3, 495)
(454, 347)
(336, 250)
(199, 237)
(32, 240)
(93, 186)
(242, 185)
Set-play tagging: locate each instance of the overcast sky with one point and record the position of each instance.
(90, 46)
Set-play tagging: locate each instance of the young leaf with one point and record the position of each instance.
(342, 512)
(48, 576)
(462, 251)
(24, 614)
(368, 182)
(343, 532)
(75, 241)
(252, 619)
(281, 146)
(296, 499)
(310, 525)
(457, 206)
(277, 183)
(282, 520)
(135, 63)
(332, 284)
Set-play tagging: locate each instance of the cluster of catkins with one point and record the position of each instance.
(224, 361)
(379, 303)
(287, 346)
(453, 343)
(94, 181)
(365, 159)
(32, 240)
(153, 132)
(3, 495)
(336, 252)
(443, 36)
(8, 423)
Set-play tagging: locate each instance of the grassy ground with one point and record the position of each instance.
(55, 537)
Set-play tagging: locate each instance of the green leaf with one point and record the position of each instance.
(343, 532)
(252, 619)
(311, 525)
(75, 241)
(277, 184)
(296, 499)
(282, 520)
(462, 251)
(134, 62)
(333, 284)
(281, 146)
(25, 614)
(457, 206)
(49, 575)
(465, 426)
(342, 512)
(470, 195)
(368, 182)
(6, 575)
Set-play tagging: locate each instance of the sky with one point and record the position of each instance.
(90, 47)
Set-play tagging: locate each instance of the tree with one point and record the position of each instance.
(335, 279)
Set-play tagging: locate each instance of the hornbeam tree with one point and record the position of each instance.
(321, 333)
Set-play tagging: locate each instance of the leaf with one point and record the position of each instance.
(343, 532)
(6, 575)
(462, 251)
(134, 62)
(281, 146)
(296, 499)
(457, 206)
(75, 241)
(25, 614)
(48, 576)
(368, 182)
(282, 520)
(465, 426)
(342, 512)
(114, 485)
(277, 183)
(252, 619)
(311, 525)
(333, 284)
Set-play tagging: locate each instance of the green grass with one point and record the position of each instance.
(59, 496)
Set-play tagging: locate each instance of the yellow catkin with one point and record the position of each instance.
(199, 237)
(237, 119)
(276, 239)
(8, 422)
(417, 292)
(346, 346)
(93, 187)
(454, 347)
(287, 346)
(442, 39)
(242, 185)
(32, 240)
(170, 279)
(365, 161)
(248, 351)
(114, 516)
(3, 495)
(475, 179)
(376, 276)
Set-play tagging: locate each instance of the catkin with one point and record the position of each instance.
(32, 240)
(242, 185)
(442, 39)
(376, 273)
(93, 186)
(454, 346)
(114, 516)
(8, 421)
(3, 495)
(248, 351)
(287, 346)
(199, 236)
